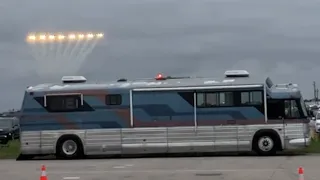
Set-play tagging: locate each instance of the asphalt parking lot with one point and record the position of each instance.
(186, 168)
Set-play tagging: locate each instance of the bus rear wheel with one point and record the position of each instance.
(265, 145)
(69, 148)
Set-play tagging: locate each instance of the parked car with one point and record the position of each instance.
(315, 122)
(9, 129)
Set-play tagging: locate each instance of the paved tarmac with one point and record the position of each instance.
(187, 168)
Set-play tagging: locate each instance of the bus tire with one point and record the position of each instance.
(69, 147)
(265, 144)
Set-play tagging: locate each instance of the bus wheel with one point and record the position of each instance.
(265, 145)
(69, 147)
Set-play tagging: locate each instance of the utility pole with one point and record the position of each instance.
(315, 92)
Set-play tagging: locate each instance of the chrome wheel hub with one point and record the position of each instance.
(69, 147)
(265, 143)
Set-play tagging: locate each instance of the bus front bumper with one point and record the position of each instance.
(298, 143)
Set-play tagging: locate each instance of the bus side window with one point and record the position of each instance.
(215, 99)
(226, 99)
(113, 99)
(63, 103)
(212, 99)
(201, 100)
(207, 99)
(275, 109)
(251, 98)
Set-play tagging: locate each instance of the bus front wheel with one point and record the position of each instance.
(265, 145)
(69, 147)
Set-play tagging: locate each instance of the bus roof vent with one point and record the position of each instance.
(122, 80)
(73, 79)
(236, 73)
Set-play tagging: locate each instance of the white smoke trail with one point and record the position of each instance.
(42, 57)
(63, 61)
(86, 52)
(73, 53)
(37, 54)
(74, 49)
(50, 56)
(44, 49)
(67, 49)
(77, 58)
(34, 51)
(58, 52)
(51, 47)
(57, 56)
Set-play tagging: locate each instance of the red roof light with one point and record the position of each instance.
(160, 77)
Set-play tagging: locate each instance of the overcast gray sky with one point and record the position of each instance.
(279, 38)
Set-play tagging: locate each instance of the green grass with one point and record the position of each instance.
(313, 148)
(10, 151)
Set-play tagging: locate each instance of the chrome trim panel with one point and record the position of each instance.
(99, 141)
(164, 139)
(144, 140)
(30, 142)
(225, 138)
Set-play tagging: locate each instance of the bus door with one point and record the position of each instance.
(289, 113)
(145, 136)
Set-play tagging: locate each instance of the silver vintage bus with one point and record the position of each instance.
(163, 115)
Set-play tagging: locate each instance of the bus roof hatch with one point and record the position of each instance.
(73, 79)
(236, 73)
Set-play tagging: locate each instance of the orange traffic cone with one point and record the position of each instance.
(43, 173)
(301, 173)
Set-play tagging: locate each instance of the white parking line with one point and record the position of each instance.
(119, 167)
(71, 178)
(124, 166)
